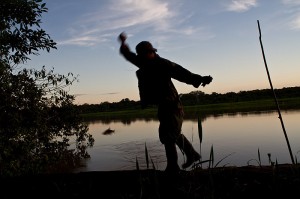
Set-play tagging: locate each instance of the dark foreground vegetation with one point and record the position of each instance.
(281, 181)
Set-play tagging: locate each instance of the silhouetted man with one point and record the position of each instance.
(156, 88)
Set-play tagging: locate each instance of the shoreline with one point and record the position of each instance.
(194, 111)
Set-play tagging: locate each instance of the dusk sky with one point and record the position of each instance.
(208, 37)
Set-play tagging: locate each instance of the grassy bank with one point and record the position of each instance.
(207, 109)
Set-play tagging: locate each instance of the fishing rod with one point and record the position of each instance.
(278, 109)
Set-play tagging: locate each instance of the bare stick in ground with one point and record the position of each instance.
(278, 109)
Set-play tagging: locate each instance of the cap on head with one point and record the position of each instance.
(144, 47)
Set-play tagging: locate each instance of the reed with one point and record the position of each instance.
(137, 164)
(147, 156)
(211, 157)
(200, 133)
(153, 165)
(257, 161)
(216, 165)
(270, 160)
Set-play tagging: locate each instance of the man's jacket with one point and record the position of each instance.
(154, 78)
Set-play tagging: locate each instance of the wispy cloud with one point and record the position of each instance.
(295, 23)
(142, 12)
(82, 40)
(94, 28)
(293, 10)
(241, 5)
(155, 15)
(291, 2)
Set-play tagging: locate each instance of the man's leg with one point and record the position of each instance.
(169, 128)
(191, 154)
(172, 158)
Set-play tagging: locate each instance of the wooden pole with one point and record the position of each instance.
(276, 101)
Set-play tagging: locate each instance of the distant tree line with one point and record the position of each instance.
(197, 98)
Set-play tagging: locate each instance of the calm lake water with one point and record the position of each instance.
(235, 138)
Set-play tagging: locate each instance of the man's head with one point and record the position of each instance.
(145, 49)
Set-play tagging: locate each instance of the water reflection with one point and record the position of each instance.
(187, 116)
(236, 139)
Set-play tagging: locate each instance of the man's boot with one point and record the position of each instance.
(191, 154)
(172, 159)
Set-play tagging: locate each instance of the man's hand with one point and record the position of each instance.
(122, 37)
(206, 80)
(198, 80)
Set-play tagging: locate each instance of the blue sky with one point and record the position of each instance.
(208, 37)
